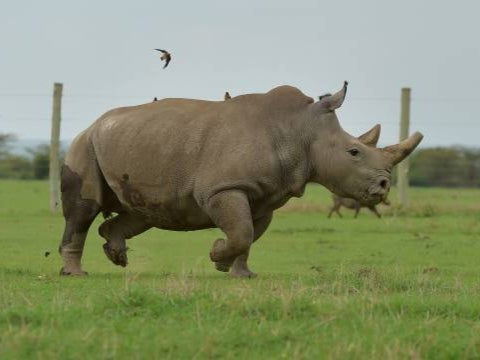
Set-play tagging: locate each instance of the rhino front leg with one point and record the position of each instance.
(240, 266)
(116, 230)
(375, 211)
(230, 211)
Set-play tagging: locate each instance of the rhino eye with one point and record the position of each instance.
(353, 152)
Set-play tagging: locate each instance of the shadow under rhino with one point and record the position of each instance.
(183, 164)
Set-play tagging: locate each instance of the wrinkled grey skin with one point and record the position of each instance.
(181, 164)
(370, 138)
(353, 204)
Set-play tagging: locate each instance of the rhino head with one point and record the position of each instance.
(349, 166)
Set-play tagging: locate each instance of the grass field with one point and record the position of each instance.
(405, 286)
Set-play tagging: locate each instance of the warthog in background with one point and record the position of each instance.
(182, 164)
(339, 201)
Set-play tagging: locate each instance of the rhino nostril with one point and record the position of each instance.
(384, 184)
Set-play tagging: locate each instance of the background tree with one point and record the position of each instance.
(5, 141)
(40, 161)
(12, 166)
(446, 167)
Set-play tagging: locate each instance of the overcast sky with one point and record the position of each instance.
(102, 51)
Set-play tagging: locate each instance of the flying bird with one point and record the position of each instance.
(165, 56)
(227, 96)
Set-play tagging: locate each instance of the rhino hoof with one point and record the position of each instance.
(117, 256)
(243, 274)
(221, 264)
(63, 272)
(218, 246)
(223, 267)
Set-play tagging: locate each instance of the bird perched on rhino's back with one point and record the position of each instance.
(166, 56)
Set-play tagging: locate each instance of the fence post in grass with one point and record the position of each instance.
(54, 164)
(402, 169)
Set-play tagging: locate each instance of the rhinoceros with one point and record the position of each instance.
(353, 204)
(183, 164)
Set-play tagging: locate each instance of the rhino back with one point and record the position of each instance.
(173, 150)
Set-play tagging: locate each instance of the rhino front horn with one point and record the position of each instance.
(401, 150)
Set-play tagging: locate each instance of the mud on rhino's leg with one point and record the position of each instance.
(79, 214)
(116, 230)
(240, 267)
(230, 211)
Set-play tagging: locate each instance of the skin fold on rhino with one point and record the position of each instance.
(183, 164)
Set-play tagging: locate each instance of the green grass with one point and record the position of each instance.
(405, 286)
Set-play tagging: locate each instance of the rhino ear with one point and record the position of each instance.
(370, 138)
(328, 102)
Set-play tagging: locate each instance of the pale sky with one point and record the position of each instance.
(102, 51)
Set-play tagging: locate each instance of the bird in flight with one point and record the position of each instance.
(227, 96)
(165, 56)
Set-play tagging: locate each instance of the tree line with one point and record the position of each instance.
(439, 166)
(446, 167)
(33, 165)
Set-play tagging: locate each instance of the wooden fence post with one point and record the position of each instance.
(54, 164)
(402, 169)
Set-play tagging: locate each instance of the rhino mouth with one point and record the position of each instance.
(368, 198)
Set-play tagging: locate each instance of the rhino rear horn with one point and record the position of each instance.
(401, 150)
(329, 102)
(370, 138)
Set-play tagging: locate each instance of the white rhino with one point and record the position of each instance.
(182, 164)
(353, 204)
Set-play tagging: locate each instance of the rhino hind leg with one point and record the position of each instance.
(240, 266)
(375, 211)
(331, 212)
(357, 210)
(116, 230)
(337, 210)
(230, 211)
(79, 214)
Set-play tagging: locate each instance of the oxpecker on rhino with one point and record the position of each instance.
(183, 164)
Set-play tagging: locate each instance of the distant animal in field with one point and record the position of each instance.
(166, 56)
(353, 204)
(227, 96)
